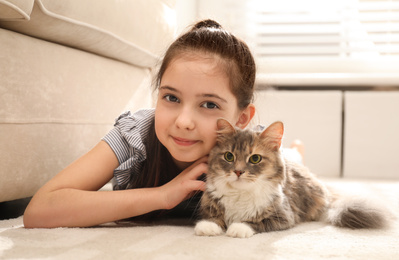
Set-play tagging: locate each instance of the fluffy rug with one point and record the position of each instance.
(175, 239)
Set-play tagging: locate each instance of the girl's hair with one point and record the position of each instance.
(235, 59)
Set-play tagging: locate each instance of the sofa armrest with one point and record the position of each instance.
(135, 32)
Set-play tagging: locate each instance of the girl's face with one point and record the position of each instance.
(193, 94)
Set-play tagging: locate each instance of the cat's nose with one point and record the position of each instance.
(238, 173)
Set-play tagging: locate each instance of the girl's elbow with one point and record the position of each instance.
(29, 220)
(36, 217)
(32, 219)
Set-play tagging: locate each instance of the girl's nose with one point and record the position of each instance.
(185, 119)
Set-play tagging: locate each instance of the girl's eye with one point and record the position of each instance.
(228, 156)
(254, 159)
(209, 105)
(171, 98)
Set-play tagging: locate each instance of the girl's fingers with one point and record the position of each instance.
(197, 185)
(199, 170)
(194, 171)
(196, 163)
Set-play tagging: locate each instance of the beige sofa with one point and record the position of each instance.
(67, 70)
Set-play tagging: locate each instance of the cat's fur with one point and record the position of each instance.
(244, 198)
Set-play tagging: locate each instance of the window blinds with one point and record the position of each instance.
(317, 42)
(325, 28)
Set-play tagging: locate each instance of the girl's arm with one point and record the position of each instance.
(72, 199)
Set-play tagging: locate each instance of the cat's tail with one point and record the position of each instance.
(357, 213)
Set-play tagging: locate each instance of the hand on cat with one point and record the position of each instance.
(186, 184)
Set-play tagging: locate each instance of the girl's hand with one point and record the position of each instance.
(184, 185)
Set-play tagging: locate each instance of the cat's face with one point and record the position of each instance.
(244, 159)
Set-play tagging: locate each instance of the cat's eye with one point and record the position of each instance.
(228, 156)
(254, 159)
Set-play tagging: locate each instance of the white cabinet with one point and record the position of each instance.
(315, 117)
(371, 136)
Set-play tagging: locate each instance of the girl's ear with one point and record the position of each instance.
(246, 116)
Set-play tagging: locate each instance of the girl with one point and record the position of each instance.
(156, 156)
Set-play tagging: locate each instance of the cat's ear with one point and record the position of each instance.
(274, 134)
(224, 127)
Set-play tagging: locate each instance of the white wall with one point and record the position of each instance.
(186, 14)
(314, 117)
(371, 135)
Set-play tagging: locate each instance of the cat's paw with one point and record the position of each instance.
(207, 228)
(240, 230)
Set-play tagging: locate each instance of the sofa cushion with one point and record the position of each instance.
(134, 32)
(55, 104)
(15, 9)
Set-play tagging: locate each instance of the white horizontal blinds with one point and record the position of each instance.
(380, 26)
(287, 30)
(321, 28)
(316, 42)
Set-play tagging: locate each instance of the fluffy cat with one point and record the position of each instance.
(251, 188)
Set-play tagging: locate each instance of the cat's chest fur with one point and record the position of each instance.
(245, 205)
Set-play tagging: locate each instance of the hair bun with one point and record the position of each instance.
(207, 24)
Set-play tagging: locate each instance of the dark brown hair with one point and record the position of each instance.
(209, 38)
(235, 59)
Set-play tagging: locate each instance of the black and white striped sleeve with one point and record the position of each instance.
(126, 139)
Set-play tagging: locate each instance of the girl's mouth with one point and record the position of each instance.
(184, 142)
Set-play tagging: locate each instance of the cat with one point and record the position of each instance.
(251, 188)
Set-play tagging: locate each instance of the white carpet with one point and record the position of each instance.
(175, 239)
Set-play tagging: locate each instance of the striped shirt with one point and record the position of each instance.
(126, 139)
